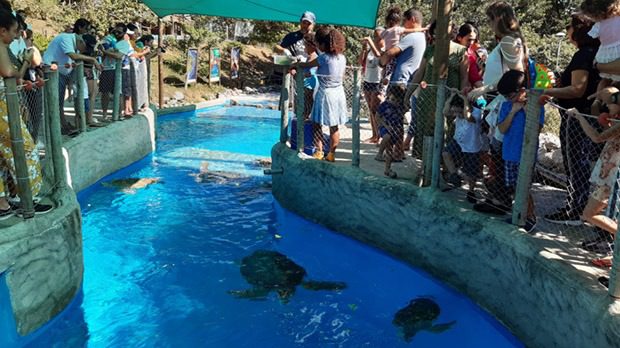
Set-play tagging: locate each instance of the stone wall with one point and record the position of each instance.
(544, 302)
(42, 260)
(95, 154)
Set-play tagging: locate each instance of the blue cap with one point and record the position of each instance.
(308, 16)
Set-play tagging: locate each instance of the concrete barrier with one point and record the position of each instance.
(542, 300)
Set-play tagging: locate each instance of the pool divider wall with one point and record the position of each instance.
(43, 266)
(543, 301)
(93, 155)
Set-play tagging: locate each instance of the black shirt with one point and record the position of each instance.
(583, 59)
(294, 42)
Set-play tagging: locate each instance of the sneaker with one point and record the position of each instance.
(563, 216)
(530, 224)
(318, 155)
(454, 180)
(40, 208)
(471, 197)
(602, 247)
(6, 213)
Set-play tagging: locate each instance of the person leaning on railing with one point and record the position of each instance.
(604, 175)
(577, 82)
(8, 31)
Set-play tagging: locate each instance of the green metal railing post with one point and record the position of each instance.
(299, 109)
(134, 89)
(438, 133)
(116, 97)
(528, 158)
(52, 101)
(284, 98)
(17, 146)
(355, 119)
(80, 109)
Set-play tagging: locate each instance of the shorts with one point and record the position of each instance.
(106, 82)
(88, 73)
(468, 161)
(127, 86)
(371, 87)
(511, 173)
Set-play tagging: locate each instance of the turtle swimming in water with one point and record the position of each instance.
(130, 185)
(419, 315)
(268, 271)
(217, 176)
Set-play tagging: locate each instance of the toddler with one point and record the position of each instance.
(390, 120)
(606, 13)
(464, 148)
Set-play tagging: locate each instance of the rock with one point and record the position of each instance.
(549, 141)
(179, 96)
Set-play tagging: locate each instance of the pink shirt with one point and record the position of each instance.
(391, 36)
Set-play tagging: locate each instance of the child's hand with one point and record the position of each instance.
(423, 84)
(516, 107)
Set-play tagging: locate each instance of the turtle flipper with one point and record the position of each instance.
(320, 285)
(285, 294)
(251, 294)
(439, 328)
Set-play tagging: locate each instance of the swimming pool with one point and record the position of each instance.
(160, 261)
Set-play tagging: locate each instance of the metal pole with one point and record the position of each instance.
(299, 109)
(52, 99)
(148, 82)
(134, 89)
(614, 279)
(116, 97)
(160, 74)
(438, 133)
(17, 146)
(284, 96)
(355, 119)
(78, 101)
(528, 158)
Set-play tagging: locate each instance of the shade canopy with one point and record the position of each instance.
(359, 13)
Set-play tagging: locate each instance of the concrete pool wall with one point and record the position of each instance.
(544, 302)
(41, 259)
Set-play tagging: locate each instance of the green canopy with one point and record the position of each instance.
(359, 13)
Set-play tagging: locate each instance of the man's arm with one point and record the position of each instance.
(389, 55)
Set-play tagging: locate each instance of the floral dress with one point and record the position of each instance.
(7, 161)
(605, 171)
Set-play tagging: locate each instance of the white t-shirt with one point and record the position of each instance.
(391, 36)
(373, 69)
(467, 134)
(58, 50)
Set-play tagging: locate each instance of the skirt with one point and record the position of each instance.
(330, 106)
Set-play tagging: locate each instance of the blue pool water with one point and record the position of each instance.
(159, 262)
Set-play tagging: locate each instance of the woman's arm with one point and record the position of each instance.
(577, 88)
(609, 68)
(609, 133)
(310, 64)
(374, 48)
(6, 67)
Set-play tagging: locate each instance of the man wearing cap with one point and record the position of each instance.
(293, 43)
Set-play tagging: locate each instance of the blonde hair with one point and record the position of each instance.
(600, 9)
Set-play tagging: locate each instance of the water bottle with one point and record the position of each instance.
(480, 102)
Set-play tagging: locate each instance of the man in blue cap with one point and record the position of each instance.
(293, 43)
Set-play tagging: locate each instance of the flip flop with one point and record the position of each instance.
(602, 262)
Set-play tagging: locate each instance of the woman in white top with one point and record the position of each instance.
(373, 72)
(509, 54)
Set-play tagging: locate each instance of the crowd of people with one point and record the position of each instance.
(486, 102)
(21, 59)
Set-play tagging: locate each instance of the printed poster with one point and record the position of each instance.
(214, 64)
(192, 66)
(235, 56)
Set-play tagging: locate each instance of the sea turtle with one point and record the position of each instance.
(130, 185)
(219, 177)
(419, 315)
(268, 271)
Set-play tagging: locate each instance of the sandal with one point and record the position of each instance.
(390, 174)
(602, 262)
(330, 157)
